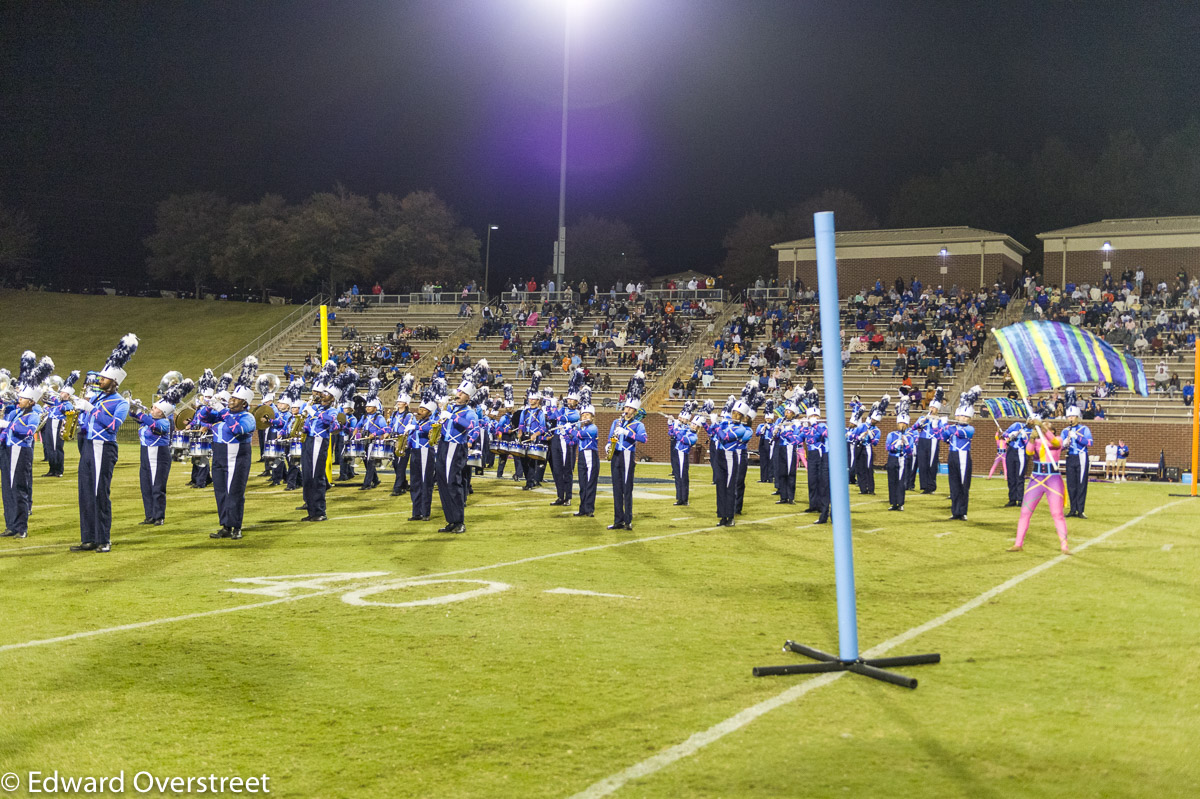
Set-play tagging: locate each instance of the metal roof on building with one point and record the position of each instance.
(918, 235)
(1148, 226)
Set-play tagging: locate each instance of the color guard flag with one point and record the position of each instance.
(1005, 408)
(1045, 355)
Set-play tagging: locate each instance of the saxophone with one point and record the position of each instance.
(612, 442)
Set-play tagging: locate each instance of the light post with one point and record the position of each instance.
(487, 259)
(560, 246)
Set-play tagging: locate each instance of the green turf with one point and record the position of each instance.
(1081, 681)
(79, 332)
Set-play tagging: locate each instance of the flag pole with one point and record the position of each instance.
(1029, 407)
(848, 658)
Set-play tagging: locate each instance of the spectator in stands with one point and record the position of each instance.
(676, 390)
(875, 364)
(377, 289)
(1189, 394)
(1173, 386)
(1162, 375)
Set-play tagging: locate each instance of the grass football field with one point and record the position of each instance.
(1061, 677)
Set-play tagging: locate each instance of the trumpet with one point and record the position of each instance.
(134, 403)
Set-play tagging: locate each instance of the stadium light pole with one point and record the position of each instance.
(487, 259)
(560, 245)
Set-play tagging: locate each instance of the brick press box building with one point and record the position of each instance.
(1160, 246)
(966, 257)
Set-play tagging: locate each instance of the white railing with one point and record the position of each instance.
(769, 294)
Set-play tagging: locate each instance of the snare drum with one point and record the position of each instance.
(515, 449)
(273, 450)
(496, 447)
(384, 451)
(179, 446)
(200, 450)
(537, 452)
(475, 459)
(296, 449)
(354, 449)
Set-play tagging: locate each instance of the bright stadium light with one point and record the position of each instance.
(1106, 246)
(943, 252)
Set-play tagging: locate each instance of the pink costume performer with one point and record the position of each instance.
(1044, 480)
(1000, 461)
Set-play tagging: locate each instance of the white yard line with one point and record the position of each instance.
(202, 614)
(581, 592)
(1167, 547)
(734, 723)
(943, 535)
(876, 530)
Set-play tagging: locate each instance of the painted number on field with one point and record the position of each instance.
(287, 585)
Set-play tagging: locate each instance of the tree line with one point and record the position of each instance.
(1054, 187)
(329, 240)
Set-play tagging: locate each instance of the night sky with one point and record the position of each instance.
(684, 113)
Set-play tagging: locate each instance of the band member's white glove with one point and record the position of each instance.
(83, 405)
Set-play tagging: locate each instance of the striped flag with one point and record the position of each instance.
(1045, 355)
(1005, 408)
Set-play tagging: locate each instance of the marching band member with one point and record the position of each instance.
(746, 413)
(816, 439)
(266, 386)
(452, 449)
(17, 433)
(788, 441)
(233, 437)
(421, 477)
(320, 426)
(766, 432)
(371, 428)
(1045, 481)
(476, 435)
(155, 435)
(506, 428)
(683, 438)
(587, 443)
(928, 430)
(562, 456)
(1015, 438)
(856, 419)
(533, 427)
(724, 460)
(343, 438)
(958, 435)
(52, 432)
(899, 446)
(1077, 438)
(397, 424)
(91, 391)
(625, 433)
(207, 385)
(866, 436)
(280, 428)
(99, 457)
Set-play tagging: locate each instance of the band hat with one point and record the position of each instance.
(244, 393)
(902, 418)
(173, 396)
(742, 408)
(114, 367)
(587, 409)
(813, 412)
(1073, 411)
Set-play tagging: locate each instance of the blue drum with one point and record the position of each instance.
(296, 449)
(354, 449)
(273, 451)
(179, 445)
(384, 451)
(537, 452)
(200, 449)
(475, 459)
